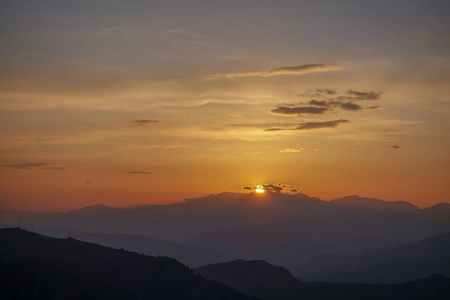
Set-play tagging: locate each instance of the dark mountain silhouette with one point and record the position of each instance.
(191, 256)
(438, 210)
(390, 265)
(268, 282)
(390, 272)
(357, 202)
(242, 271)
(282, 229)
(34, 266)
(95, 209)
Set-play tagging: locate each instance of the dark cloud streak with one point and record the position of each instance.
(144, 122)
(35, 166)
(312, 125)
(298, 111)
(350, 106)
(357, 95)
(140, 172)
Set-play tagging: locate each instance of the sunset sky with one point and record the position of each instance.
(127, 102)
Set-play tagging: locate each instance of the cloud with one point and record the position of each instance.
(291, 150)
(318, 125)
(54, 168)
(144, 122)
(275, 129)
(326, 91)
(350, 106)
(34, 166)
(140, 172)
(27, 166)
(253, 153)
(298, 111)
(357, 95)
(277, 188)
(312, 125)
(322, 103)
(295, 70)
(237, 115)
(395, 147)
(344, 101)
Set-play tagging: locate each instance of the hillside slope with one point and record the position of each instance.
(33, 266)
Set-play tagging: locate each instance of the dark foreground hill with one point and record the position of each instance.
(33, 266)
(268, 282)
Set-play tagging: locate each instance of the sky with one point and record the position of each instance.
(126, 102)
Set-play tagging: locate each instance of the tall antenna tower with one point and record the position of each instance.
(19, 222)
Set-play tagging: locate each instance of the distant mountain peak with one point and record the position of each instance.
(374, 203)
(441, 205)
(96, 208)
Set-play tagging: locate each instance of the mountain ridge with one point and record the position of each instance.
(34, 266)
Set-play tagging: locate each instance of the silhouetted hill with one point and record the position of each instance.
(192, 256)
(390, 272)
(391, 265)
(438, 210)
(256, 278)
(241, 270)
(358, 202)
(34, 266)
(95, 209)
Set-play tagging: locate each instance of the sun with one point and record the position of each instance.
(259, 189)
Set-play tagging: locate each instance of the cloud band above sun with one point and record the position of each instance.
(295, 70)
(276, 187)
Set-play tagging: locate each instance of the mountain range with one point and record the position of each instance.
(283, 229)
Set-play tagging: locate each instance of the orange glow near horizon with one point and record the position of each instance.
(216, 107)
(259, 189)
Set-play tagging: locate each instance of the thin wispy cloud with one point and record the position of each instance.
(145, 122)
(312, 125)
(298, 111)
(253, 153)
(34, 166)
(236, 115)
(291, 150)
(357, 95)
(294, 70)
(140, 172)
(318, 125)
